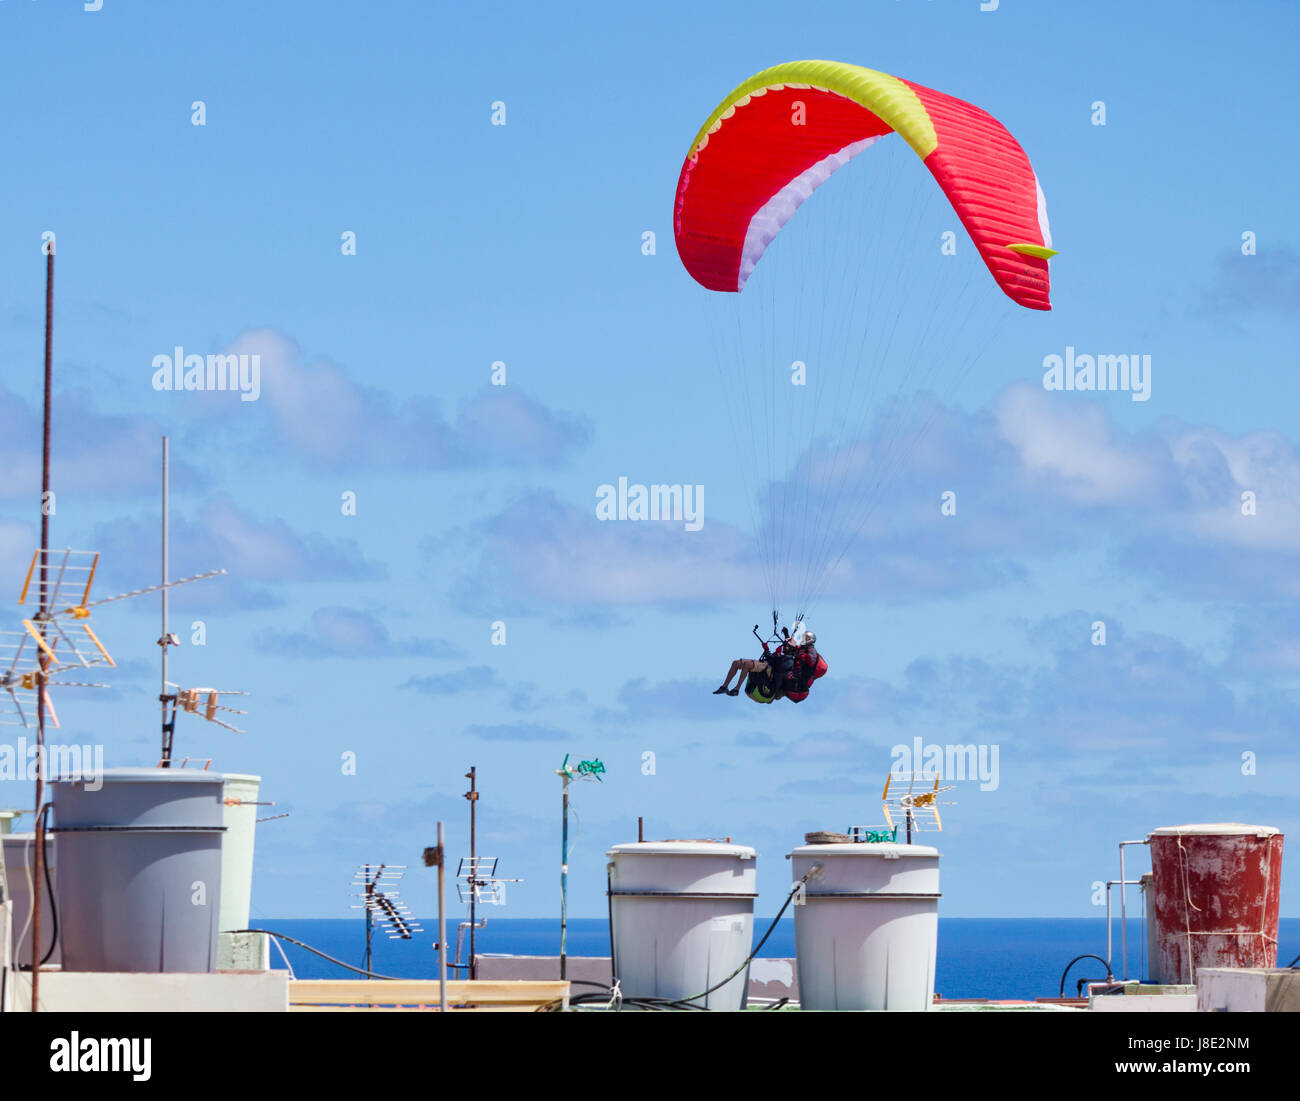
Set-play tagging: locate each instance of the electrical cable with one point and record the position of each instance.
(31, 887)
(362, 970)
(689, 1002)
(318, 952)
(41, 820)
(816, 868)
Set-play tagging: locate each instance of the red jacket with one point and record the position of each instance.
(809, 666)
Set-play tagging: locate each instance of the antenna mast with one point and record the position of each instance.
(39, 862)
(583, 770)
(472, 796)
(204, 702)
(476, 881)
(164, 640)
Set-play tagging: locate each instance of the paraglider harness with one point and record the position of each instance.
(809, 666)
(769, 685)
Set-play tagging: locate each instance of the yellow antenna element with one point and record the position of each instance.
(85, 596)
(927, 799)
(40, 640)
(28, 580)
(1041, 251)
(98, 645)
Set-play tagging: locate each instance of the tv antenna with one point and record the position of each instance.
(476, 878)
(21, 678)
(476, 882)
(204, 702)
(917, 806)
(58, 639)
(384, 909)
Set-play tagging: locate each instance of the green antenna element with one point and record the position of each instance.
(583, 770)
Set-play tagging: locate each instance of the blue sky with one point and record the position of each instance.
(372, 634)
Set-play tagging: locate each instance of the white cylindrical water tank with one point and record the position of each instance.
(139, 885)
(239, 816)
(683, 919)
(867, 927)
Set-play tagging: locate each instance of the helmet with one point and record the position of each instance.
(808, 639)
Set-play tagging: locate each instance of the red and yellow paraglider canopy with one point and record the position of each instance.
(781, 134)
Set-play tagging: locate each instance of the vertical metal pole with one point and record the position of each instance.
(39, 863)
(564, 882)
(1123, 914)
(609, 903)
(1109, 944)
(640, 830)
(1123, 908)
(370, 890)
(472, 796)
(166, 755)
(442, 923)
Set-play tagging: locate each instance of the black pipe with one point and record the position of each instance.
(1085, 956)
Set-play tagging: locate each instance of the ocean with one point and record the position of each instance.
(978, 957)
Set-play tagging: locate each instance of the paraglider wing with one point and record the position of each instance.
(782, 133)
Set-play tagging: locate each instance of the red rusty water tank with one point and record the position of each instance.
(1217, 888)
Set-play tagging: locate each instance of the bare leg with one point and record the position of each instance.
(737, 667)
(740, 666)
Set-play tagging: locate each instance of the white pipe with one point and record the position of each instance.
(1123, 910)
(1109, 939)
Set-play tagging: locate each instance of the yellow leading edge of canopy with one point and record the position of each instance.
(885, 96)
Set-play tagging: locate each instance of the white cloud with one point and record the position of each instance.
(1071, 447)
(1264, 464)
(320, 412)
(542, 550)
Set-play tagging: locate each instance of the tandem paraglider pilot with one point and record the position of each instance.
(787, 670)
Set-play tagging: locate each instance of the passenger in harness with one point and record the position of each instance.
(809, 666)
